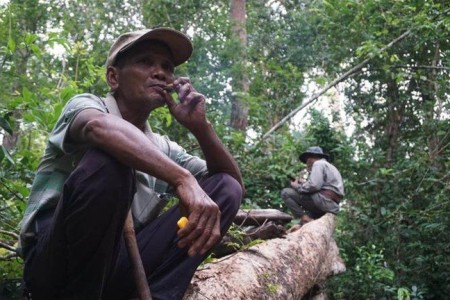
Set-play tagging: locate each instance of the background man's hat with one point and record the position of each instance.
(316, 151)
(179, 44)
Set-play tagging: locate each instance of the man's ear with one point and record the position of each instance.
(112, 77)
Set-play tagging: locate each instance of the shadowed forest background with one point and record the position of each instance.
(386, 125)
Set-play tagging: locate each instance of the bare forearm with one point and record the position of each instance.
(217, 156)
(131, 147)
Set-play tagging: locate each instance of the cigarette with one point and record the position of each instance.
(169, 88)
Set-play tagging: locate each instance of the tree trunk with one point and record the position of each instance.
(239, 109)
(283, 268)
(395, 115)
(433, 98)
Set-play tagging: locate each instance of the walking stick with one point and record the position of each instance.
(135, 259)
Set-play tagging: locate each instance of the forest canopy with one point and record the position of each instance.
(385, 125)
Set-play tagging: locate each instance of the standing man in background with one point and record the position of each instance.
(102, 159)
(320, 193)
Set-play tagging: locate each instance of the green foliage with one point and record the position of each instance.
(265, 169)
(237, 239)
(395, 163)
(369, 275)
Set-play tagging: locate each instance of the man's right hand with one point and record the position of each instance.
(191, 110)
(202, 231)
(295, 184)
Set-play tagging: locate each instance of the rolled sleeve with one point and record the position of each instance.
(75, 105)
(194, 164)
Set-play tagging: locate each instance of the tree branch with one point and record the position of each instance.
(333, 83)
(7, 247)
(8, 256)
(9, 233)
(421, 67)
(11, 191)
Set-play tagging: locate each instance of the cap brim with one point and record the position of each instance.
(304, 156)
(179, 44)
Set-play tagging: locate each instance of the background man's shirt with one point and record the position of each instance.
(323, 176)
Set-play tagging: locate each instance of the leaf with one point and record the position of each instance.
(23, 190)
(26, 94)
(7, 155)
(36, 50)
(11, 45)
(30, 38)
(403, 294)
(5, 125)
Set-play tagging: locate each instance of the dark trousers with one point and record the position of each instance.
(80, 252)
(314, 205)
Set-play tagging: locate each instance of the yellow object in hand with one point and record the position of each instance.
(182, 222)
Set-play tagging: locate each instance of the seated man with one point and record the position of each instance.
(102, 159)
(320, 193)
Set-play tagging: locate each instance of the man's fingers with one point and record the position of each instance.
(213, 237)
(182, 80)
(194, 98)
(209, 237)
(185, 233)
(193, 232)
(169, 101)
(201, 232)
(197, 235)
(184, 91)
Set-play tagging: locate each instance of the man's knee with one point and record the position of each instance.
(102, 178)
(226, 192)
(96, 160)
(288, 193)
(232, 190)
(102, 170)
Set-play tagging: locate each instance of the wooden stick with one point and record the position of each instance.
(135, 259)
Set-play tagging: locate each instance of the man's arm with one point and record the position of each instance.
(125, 142)
(217, 156)
(131, 147)
(315, 180)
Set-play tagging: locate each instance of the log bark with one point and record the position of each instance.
(258, 217)
(282, 268)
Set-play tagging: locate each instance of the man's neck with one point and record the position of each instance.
(137, 117)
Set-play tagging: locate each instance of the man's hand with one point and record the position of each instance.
(190, 112)
(295, 184)
(202, 231)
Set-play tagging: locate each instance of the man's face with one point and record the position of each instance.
(140, 75)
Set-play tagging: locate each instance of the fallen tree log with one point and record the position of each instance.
(282, 268)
